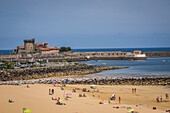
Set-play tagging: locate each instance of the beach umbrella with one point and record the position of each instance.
(59, 100)
(27, 111)
(54, 83)
(129, 110)
(68, 94)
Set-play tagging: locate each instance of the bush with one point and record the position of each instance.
(65, 49)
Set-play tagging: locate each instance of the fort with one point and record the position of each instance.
(42, 51)
(30, 47)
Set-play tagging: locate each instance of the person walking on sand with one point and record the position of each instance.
(119, 99)
(167, 96)
(160, 98)
(135, 90)
(157, 99)
(53, 91)
(49, 91)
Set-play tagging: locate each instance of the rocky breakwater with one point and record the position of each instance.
(45, 72)
(164, 81)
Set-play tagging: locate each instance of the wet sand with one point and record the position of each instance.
(37, 99)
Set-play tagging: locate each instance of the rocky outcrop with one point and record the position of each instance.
(45, 72)
(165, 81)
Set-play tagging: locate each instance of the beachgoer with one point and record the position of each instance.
(10, 101)
(101, 103)
(53, 91)
(54, 98)
(113, 95)
(58, 103)
(157, 99)
(74, 90)
(109, 101)
(80, 95)
(135, 90)
(160, 98)
(119, 99)
(167, 96)
(84, 95)
(49, 91)
(27, 86)
(132, 90)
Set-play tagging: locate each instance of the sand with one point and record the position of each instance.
(37, 99)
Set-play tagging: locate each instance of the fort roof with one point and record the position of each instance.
(40, 44)
(53, 48)
(136, 51)
(44, 49)
(29, 40)
(21, 47)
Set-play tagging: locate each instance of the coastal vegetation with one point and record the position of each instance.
(65, 49)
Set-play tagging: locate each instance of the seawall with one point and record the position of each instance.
(157, 54)
(81, 56)
(164, 81)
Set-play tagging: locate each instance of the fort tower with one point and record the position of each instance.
(29, 45)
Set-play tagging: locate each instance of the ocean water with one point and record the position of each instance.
(7, 52)
(150, 67)
(123, 49)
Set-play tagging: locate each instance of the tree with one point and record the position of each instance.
(68, 48)
(65, 49)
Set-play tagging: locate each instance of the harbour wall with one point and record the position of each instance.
(157, 54)
(81, 56)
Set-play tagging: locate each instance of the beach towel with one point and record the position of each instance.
(142, 105)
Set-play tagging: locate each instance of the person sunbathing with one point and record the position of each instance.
(58, 103)
(84, 95)
(54, 98)
(74, 90)
(101, 103)
(68, 97)
(11, 101)
(80, 95)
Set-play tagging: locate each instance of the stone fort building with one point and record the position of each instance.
(30, 47)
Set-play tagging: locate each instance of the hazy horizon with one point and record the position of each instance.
(86, 24)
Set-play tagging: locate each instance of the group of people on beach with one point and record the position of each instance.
(133, 90)
(82, 95)
(51, 91)
(159, 99)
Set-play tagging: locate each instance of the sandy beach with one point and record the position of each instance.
(37, 99)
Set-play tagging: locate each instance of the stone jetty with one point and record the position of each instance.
(164, 81)
(45, 72)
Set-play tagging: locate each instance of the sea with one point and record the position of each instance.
(152, 67)
(159, 66)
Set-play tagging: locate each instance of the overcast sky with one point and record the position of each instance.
(86, 23)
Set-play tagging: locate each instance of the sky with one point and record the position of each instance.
(85, 23)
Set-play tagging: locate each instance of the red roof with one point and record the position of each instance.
(53, 48)
(40, 44)
(137, 51)
(44, 49)
(21, 47)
